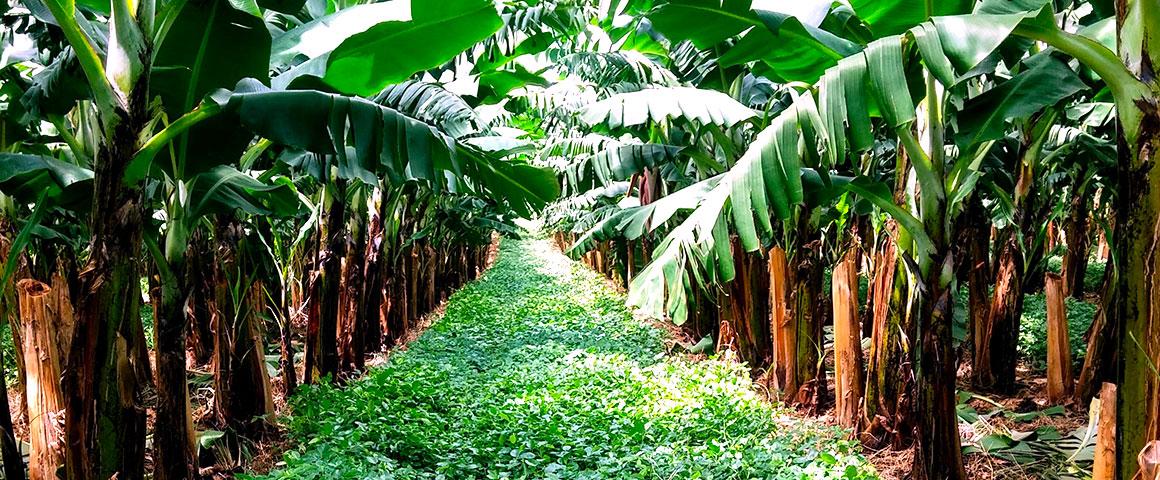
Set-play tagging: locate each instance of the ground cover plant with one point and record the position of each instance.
(539, 371)
(1033, 330)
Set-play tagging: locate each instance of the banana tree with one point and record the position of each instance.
(943, 185)
(994, 360)
(106, 428)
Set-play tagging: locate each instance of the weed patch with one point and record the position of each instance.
(539, 371)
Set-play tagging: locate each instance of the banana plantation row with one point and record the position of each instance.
(189, 182)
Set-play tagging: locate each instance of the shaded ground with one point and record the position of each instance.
(539, 371)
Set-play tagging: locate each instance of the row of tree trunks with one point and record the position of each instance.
(243, 396)
(770, 319)
(423, 277)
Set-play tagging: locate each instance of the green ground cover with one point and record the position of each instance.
(538, 371)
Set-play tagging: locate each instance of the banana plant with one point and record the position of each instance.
(755, 184)
(170, 49)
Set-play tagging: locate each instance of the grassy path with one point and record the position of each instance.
(538, 371)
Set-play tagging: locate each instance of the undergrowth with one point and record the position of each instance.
(539, 371)
(1033, 330)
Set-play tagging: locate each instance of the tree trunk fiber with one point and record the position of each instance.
(432, 261)
(1102, 358)
(47, 320)
(1102, 247)
(1076, 259)
(781, 328)
(352, 330)
(727, 343)
(1137, 234)
(1059, 377)
(938, 450)
(374, 299)
(889, 382)
(312, 347)
(847, 342)
(174, 437)
(200, 335)
(997, 339)
(322, 330)
(414, 274)
(1104, 463)
(1137, 242)
(108, 367)
(286, 351)
(807, 316)
(749, 303)
(978, 273)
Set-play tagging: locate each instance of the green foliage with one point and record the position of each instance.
(538, 371)
(1093, 279)
(391, 51)
(1033, 330)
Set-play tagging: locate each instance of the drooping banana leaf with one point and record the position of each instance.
(767, 181)
(369, 141)
(615, 164)
(29, 178)
(803, 51)
(224, 189)
(494, 57)
(1045, 81)
(663, 104)
(633, 222)
(209, 46)
(56, 89)
(432, 104)
(322, 35)
(609, 68)
(891, 17)
(390, 52)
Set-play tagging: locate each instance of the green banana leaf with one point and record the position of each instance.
(369, 141)
(210, 46)
(662, 104)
